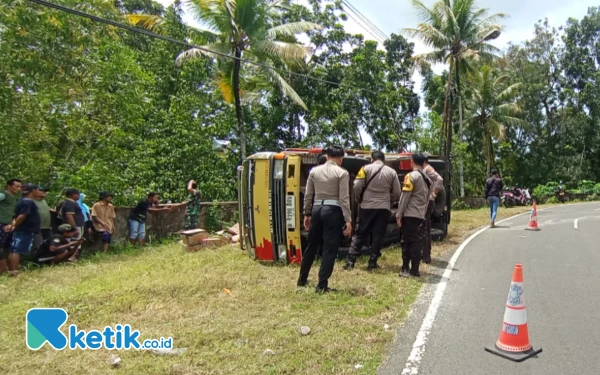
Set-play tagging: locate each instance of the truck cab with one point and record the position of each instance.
(271, 190)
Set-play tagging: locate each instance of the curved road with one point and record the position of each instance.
(561, 266)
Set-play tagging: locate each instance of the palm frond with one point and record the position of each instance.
(216, 51)
(508, 93)
(495, 129)
(433, 57)
(292, 28)
(149, 22)
(429, 35)
(282, 50)
(226, 88)
(201, 36)
(285, 87)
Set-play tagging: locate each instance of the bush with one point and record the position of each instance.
(597, 189)
(552, 200)
(459, 205)
(542, 190)
(213, 218)
(593, 198)
(586, 186)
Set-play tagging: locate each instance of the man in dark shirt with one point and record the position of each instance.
(137, 220)
(72, 213)
(58, 248)
(25, 225)
(493, 188)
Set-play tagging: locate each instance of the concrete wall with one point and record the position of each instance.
(161, 224)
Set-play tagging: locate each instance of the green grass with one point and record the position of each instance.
(163, 291)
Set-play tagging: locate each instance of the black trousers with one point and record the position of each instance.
(426, 228)
(412, 243)
(373, 223)
(325, 232)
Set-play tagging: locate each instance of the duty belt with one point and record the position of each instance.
(327, 202)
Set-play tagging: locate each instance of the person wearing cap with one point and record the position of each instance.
(46, 220)
(8, 202)
(25, 225)
(326, 215)
(376, 186)
(59, 247)
(103, 216)
(437, 186)
(410, 216)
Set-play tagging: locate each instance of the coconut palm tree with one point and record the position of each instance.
(237, 31)
(491, 108)
(458, 33)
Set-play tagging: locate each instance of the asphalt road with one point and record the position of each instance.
(561, 266)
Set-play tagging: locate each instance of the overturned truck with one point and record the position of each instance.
(271, 189)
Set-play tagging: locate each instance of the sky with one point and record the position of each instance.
(391, 16)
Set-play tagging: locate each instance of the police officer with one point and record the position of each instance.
(376, 186)
(438, 186)
(326, 214)
(411, 213)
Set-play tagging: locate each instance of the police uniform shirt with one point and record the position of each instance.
(415, 196)
(437, 181)
(328, 182)
(383, 189)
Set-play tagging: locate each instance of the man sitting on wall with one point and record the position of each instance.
(58, 248)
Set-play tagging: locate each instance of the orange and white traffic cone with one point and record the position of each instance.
(514, 335)
(533, 224)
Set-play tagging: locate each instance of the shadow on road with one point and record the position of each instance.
(439, 263)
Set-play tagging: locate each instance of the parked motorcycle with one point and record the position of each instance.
(561, 194)
(516, 197)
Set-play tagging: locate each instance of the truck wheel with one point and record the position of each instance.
(440, 203)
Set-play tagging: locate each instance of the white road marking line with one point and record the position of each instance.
(418, 349)
(597, 209)
(575, 224)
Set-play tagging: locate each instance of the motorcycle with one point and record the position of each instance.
(561, 194)
(516, 197)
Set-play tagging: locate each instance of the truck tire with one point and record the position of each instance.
(440, 203)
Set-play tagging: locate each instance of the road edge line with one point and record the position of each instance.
(418, 348)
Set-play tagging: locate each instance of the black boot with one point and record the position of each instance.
(351, 262)
(372, 263)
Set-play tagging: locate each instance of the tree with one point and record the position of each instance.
(237, 30)
(491, 108)
(458, 33)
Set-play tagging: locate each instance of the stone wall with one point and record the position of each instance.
(161, 224)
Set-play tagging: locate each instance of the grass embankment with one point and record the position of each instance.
(162, 291)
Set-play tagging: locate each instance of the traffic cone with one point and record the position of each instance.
(533, 225)
(514, 335)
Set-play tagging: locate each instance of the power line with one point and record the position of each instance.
(370, 24)
(365, 19)
(189, 45)
(368, 30)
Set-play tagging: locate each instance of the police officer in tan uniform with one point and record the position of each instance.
(326, 215)
(376, 186)
(438, 187)
(411, 213)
